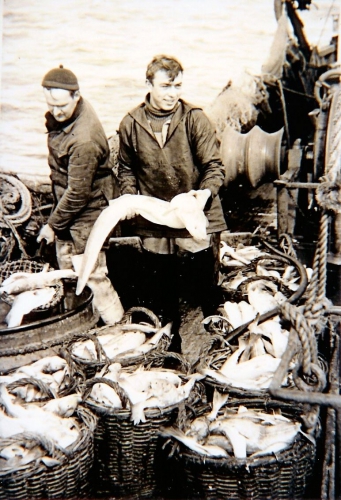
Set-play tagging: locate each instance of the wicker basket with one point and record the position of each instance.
(284, 475)
(29, 266)
(155, 357)
(44, 391)
(68, 480)
(125, 453)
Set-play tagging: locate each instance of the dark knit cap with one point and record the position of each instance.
(60, 78)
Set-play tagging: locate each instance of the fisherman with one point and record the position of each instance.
(82, 182)
(168, 147)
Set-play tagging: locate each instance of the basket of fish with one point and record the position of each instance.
(242, 451)
(128, 343)
(28, 286)
(249, 336)
(49, 377)
(132, 404)
(46, 451)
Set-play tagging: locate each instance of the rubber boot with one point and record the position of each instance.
(106, 300)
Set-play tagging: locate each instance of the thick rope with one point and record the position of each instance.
(25, 209)
(317, 287)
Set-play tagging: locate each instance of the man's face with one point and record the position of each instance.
(60, 103)
(164, 92)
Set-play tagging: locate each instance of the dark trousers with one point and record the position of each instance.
(169, 285)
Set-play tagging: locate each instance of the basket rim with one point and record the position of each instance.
(300, 442)
(9, 298)
(86, 422)
(160, 348)
(124, 414)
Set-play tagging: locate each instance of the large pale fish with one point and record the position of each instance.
(16, 456)
(238, 432)
(286, 278)
(264, 296)
(65, 406)
(275, 438)
(105, 395)
(113, 344)
(9, 426)
(124, 342)
(151, 343)
(256, 373)
(221, 441)
(25, 302)
(192, 443)
(199, 428)
(272, 330)
(163, 398)
(226, 249)
(47, 365)
(171, 214)
(23, 282)
(239, 313)
(219, 399)
(63, 431)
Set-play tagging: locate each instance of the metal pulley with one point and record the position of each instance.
(255, 156)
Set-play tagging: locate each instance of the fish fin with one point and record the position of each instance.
(309, 437)
(238, 443)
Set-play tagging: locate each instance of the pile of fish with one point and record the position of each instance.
(28, 291)
(244, 433)
(124, 341)
(142, 389)
(259, 352)
(239, 256)
(26, 429)
(52, 371)
(252, 364)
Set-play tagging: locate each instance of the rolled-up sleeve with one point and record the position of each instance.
(83, 163)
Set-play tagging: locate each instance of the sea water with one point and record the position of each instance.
(108, 44)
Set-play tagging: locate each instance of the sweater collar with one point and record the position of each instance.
(182, 110)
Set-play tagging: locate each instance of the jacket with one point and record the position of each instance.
(79, 163)
(189, 159)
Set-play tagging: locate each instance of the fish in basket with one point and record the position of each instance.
(46, 450)
(243, 450)
(127, 342)
(249, 367)
(132, 404)
(27, 286)
(47, 378)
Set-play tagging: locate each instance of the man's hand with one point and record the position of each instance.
(46, 233)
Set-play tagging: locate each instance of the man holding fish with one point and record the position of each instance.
(82, 182)
(168, 147)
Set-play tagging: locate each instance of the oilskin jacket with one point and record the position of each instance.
(189, 159)
(80, 172)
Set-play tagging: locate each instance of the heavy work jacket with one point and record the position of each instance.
(80, 173)
(189, 159)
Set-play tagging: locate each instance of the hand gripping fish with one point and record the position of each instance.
(183, 211)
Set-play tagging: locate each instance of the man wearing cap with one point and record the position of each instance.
(168, 147)
(82, 182)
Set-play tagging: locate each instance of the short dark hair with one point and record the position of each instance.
(162, 62)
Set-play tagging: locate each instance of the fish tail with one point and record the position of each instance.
(137, 414)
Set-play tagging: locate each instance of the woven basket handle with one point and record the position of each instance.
(102, 380)
(100, 352)
(127, 318)
(39, 384)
